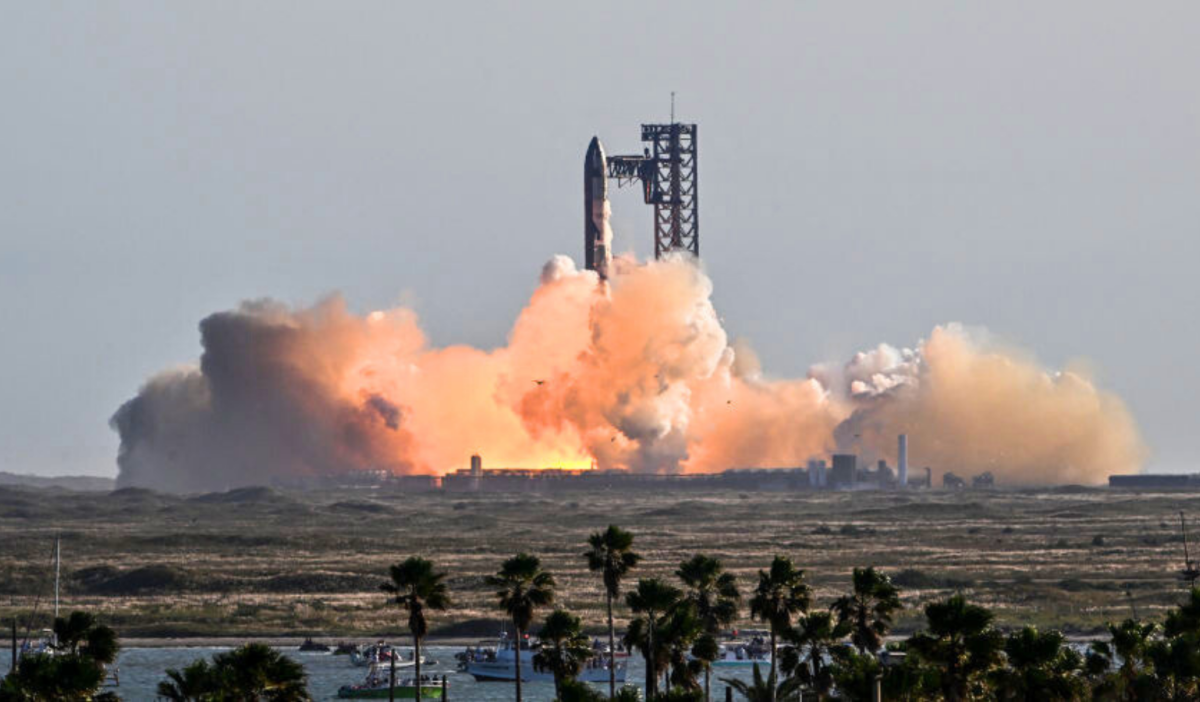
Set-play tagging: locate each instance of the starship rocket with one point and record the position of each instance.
(596, 234)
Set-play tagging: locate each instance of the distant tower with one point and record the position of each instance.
(845, 470)
(902, 462)
(667, 170)
(675, 189)
(816, 473)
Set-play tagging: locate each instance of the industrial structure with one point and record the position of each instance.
(843, 472)
(1138, 481)
(667, 172)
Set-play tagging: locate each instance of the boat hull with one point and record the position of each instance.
(406, 692)
(498, 672)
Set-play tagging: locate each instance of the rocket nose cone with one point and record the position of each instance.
(595, 152)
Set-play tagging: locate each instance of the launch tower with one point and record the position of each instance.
(667, 171)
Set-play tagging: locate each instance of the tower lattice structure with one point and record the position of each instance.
(668, 173)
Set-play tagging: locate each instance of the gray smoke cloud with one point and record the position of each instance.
(263, 402)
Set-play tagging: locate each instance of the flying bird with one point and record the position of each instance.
(539, 382)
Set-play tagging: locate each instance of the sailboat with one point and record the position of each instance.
(47, 645)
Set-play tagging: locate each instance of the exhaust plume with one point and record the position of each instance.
(634, 373)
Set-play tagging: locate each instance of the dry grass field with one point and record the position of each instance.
(263, 562)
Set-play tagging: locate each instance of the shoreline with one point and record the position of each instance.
(284, 641)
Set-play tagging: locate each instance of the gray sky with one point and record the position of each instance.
(868, 171)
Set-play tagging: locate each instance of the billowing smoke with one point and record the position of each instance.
(969, 407)
(636, 373)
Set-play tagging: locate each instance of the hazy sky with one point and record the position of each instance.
(867, 170)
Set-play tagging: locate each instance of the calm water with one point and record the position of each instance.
(142, 669)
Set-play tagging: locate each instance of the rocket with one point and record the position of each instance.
(597, 237)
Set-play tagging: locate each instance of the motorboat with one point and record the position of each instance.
(378, 685)
(310, 646)
(382, 654)
(499, 663)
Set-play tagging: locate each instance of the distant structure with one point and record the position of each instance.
(667, 172)
(816, 474)
(845, 470)
(1155, 480)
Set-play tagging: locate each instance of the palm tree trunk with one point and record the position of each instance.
(707, 677)
(771, 677)
(612, 649)
(652, 660)
(417, 662)
(517, 653)
(649, 672)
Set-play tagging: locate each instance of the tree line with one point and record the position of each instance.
(814, 653)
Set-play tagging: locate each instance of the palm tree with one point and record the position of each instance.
(76, 669)
(960, 642)
(675, 635)
(714, 595)
(781, 594)
(565, 648)
(814, 639)
(522, 587)
(763, 691)
(1040, 667)
(256, 671)
(868, 609)
(416, 587)
(195, 683)
(1130, 643)
(712, 591)
(610, 554)
(79, 634)
(575, 691)
(706, 650)
(652, 598)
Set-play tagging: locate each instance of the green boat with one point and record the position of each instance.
(377, 687)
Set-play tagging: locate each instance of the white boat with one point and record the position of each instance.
(487, 663)
(744, 653)
(381, 654)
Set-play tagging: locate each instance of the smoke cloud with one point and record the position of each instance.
(635, 373)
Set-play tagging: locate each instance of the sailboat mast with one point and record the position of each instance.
(57, 569)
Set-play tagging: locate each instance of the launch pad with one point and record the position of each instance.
(667, 172)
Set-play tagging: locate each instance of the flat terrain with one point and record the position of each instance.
(261, 562)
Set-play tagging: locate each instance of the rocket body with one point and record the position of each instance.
(597, 236)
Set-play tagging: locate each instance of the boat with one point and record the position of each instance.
(377, 685)
(344, 649)
(601, 649)
(310, 646)
(382, 653)
(487, 663)
(47, 645)
(744, 653)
